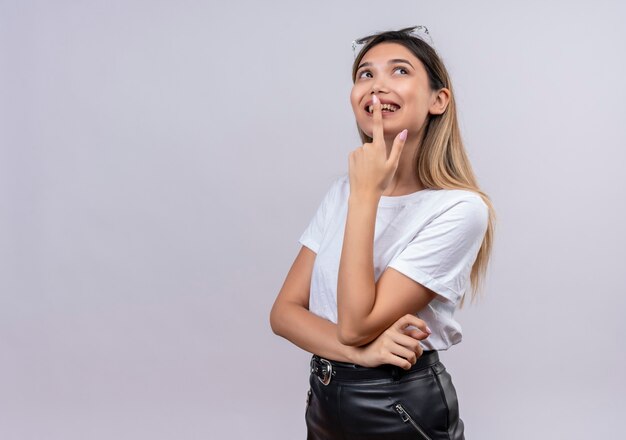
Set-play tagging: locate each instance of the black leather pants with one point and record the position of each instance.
(420, 403)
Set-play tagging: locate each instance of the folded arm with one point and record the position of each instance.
(291, 319)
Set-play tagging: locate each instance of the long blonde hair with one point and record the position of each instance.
(441, 160)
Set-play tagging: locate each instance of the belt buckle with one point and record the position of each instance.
(327, 371)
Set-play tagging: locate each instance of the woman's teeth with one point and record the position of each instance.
(388, 107)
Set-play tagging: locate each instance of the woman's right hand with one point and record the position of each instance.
(397, 345)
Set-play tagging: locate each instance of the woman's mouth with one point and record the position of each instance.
(385, 108)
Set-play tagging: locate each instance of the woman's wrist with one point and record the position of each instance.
(354, 354)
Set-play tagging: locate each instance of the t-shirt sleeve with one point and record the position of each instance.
(441, 255)
(312, 235)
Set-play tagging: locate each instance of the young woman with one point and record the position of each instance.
(388, 256)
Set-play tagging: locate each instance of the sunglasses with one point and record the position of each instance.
(419, 31)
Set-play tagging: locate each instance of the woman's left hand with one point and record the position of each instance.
(397, 345)
(370, 169)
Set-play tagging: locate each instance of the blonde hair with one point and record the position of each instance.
(441, 160)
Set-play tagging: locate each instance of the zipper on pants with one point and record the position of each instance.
(406, 418)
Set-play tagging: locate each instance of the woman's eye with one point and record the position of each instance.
(367, 71)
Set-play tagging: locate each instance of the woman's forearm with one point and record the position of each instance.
(311, 333)
(356, 288)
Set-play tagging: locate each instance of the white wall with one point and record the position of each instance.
(160, 159)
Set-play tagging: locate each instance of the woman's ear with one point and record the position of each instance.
(440, 103)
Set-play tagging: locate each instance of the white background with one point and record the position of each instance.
(160, 159)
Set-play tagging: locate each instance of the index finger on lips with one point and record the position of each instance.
(377, 130)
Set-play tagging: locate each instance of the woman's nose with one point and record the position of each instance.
(377, 86)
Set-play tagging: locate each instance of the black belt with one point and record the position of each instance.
(326, 369)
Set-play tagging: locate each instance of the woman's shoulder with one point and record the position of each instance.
(459, 195)
(459, 203)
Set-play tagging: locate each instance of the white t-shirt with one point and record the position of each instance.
(432, 236)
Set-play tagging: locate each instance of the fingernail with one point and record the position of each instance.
(428, 330)
(374, 100)
(403, 134)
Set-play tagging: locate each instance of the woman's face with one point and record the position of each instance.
(397, 77)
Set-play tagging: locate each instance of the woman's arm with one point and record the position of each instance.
(311, 333)
(291, 319)
(366, 307)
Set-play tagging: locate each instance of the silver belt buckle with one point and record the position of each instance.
(328, 372)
